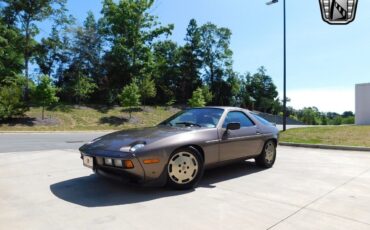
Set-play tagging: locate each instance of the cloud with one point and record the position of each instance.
(325, 99)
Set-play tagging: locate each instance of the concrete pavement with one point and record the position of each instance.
(306, 189)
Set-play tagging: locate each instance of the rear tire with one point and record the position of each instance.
(184, 169)
(267, 158)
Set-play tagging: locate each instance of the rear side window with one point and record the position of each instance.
(262, 120)
(239, 117)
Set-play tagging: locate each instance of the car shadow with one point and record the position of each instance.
(96, 191)
(228, 172)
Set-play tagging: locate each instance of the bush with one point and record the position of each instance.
(11, 102)
(335, 121)
(348, 120)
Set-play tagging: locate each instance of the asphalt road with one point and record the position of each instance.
(306, 189)
(18, 141)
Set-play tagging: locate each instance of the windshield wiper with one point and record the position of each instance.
(166, 123)
(188, 123)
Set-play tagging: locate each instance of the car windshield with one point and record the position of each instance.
(198, 117)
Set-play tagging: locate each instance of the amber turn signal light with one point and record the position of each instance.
(151, 161)
(128, 164)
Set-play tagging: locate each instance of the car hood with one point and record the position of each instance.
(127, 138)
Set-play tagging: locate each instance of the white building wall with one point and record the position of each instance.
(362, 104)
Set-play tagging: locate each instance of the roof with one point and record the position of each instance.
(363, 84)
(223, 107)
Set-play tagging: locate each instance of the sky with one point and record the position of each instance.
(324, 62)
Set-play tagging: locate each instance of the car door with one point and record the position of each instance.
(242, 142)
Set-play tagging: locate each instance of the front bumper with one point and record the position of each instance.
(135, 174)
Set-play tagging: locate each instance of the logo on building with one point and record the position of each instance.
(338, 12)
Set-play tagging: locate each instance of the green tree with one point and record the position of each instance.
(45, 93)
(25, 14)
(207, 94)
(324, 119)
(47, 52)
(88, 47)
(85, 59)
(216, 56)
(332, 115)
(245, 97)
(170, 103)
(197, 100)
(309, 116)
(336, 121)
(50, 51)
(11, 102)
(53, 50)
(82, 88)
(130, 96)
(167, 71)
(190, 63)
(130, 30)
(346, 114)
(11, 57)
(276, 106)
(232, 88)
(261, 87)
(147, 88)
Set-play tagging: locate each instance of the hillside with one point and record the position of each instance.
(84, 118)
(80, 118)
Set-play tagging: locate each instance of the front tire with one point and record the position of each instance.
(185, 168)
(267, 158)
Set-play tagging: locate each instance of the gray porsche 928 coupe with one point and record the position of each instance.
(177, 151)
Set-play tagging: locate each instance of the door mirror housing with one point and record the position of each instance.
(233, 126)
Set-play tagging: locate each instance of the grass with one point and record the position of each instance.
(348, 135)
(82, 118)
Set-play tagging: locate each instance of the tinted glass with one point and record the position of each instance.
(262, 120)
(203, 117)
(240, 117)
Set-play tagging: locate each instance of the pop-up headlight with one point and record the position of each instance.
(136, 147)
(95, 140)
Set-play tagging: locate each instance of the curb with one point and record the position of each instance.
(334, 147)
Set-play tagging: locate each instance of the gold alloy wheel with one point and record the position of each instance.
(183, 167)
(269, 152)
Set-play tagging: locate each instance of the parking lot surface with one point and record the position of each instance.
(306, 189)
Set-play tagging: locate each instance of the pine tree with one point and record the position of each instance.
(190, 62)
(11, 58)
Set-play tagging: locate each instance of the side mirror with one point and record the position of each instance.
(233, 126)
